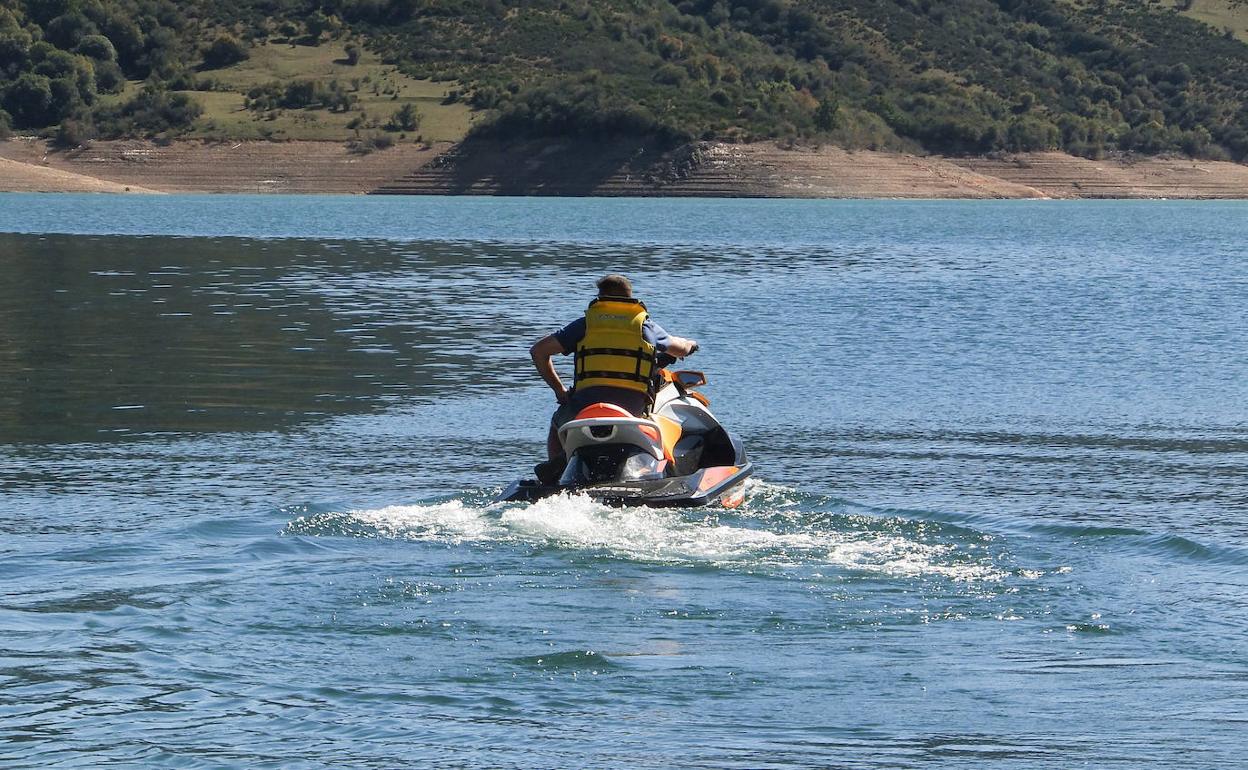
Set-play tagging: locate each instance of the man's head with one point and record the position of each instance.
(614, 285)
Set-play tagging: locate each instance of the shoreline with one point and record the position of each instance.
(580, 168)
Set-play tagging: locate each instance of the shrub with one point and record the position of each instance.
(223, 52)
(1196, 142)
(353, 54)
(301, 94)
(1028, 133)
(670, 75)
(406, 118)
(375, 142)
(316, 23)
(73, 133)
(826, 114)
(152, 111)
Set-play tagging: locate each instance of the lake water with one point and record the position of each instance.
(248, 447)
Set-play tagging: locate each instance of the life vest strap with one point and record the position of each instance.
(640, 354)
(614, 376)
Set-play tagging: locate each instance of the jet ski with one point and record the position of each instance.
(676, 456)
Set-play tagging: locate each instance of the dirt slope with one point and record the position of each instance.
(238, 167)
(581, 167)
(1058, 175)
(16, 176)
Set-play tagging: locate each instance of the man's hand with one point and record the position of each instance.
(562, 396)
(681, 347)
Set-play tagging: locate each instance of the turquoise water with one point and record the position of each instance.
(248, 447)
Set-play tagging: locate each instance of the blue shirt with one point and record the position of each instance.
(571, 335)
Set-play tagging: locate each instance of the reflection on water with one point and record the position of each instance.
(108, 335)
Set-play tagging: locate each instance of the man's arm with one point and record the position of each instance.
(541, 353)
(669, 344)
(680, 347)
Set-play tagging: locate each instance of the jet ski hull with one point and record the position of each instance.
(724, 485)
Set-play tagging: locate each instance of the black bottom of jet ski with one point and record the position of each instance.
(721, 484)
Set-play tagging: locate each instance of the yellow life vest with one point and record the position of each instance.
(614, 352)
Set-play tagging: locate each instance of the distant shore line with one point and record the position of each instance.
(589, 168)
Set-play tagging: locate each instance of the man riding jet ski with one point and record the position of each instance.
(629, 431)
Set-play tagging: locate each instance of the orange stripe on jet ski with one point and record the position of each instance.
(671, 434)
(603, 410)
(733, 499)
(713, 476)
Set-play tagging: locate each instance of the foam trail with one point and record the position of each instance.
(451, 520)
(660, 535)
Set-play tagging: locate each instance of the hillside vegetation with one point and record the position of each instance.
(371, 94)
(955, 76)
(78, 70)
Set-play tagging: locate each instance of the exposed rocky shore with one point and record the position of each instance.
(578, 168)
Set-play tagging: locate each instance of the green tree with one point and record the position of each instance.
(29, 100)
(66, 99)
(129, 42)
(316, 23)
(56, 64)
(46, 10)
(109, 79)
(14, 49)
(97, 47)
(68, 30)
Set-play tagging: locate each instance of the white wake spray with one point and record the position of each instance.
(663, 536)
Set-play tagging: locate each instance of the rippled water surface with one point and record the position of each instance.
(248, 448)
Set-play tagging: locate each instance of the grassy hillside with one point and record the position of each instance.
(378, 91)
(956, 76)
(272, 81)
(1221, 15)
